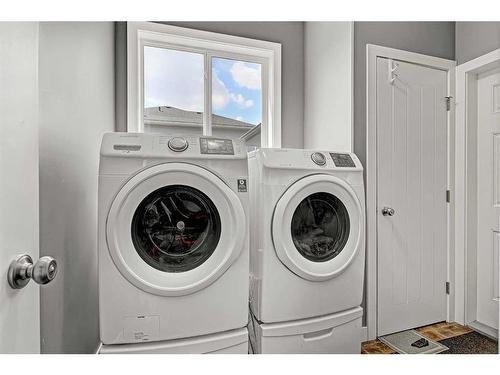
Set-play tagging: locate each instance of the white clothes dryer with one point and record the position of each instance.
(307, 251)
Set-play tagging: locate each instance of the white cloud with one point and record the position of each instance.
(246, 76)
(173, 78)
(220, 94)
(237, 98)
(239, 118)
(241, 101)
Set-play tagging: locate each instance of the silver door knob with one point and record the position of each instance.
(388, 211)
(22, 270)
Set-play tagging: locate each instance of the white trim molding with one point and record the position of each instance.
(372, 53)
(466, 75)
(268, 54)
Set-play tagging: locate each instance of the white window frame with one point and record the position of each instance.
(268, 54)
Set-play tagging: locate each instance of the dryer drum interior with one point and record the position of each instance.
(176, 228)
(320, 227)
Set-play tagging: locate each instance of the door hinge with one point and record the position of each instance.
(447, 287)
(448, 196)
(448, 102)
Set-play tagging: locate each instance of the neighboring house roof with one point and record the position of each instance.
(250, 134)
(177, 116)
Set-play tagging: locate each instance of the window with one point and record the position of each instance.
(184, 81)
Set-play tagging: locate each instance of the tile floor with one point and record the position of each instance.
(439, 331)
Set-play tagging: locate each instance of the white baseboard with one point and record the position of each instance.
(484, 329)
(98, 350)
(364, 334)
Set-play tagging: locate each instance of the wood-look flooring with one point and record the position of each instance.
(437, 332)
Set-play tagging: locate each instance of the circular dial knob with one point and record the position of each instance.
(178, 144)
(318, 158)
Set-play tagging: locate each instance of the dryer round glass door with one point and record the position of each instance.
(320, 227)
(175, 228)
(317, 227)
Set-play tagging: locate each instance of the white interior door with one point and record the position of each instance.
(488, 197)
(411, 185)
(19, 308)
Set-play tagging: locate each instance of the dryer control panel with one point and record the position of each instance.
(307, 159)
(342, 160)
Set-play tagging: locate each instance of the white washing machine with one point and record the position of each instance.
(308, 234)
(173, 237)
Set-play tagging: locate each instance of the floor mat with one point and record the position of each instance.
(401, 342)
(470, 343)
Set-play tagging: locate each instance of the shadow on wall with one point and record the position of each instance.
(76, 89)
(473, 39)
(69, 304)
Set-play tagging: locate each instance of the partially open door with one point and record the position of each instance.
(20, 308)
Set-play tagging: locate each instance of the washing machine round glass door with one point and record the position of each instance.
(174, 228)
(317, 227)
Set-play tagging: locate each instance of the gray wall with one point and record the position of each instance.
(473, 39)
(430, 38)
(76, 89)
(328, 85)
(291, 37)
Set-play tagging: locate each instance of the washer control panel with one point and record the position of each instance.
(144, 145)
(178, 144)
(216, 146)
(342, 160)
(318, 158)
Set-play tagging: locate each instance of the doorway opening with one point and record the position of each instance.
(477, 224)
(432, 80)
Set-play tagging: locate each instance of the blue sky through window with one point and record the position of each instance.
(175, 78)
(237, 90)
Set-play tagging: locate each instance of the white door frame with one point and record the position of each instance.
(372, 53)
(466, 106)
